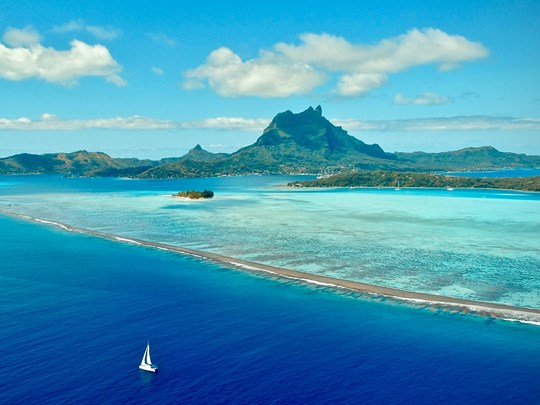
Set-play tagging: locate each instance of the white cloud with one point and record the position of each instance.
(229, 76)
(358, 83)
(32, 60)
(51, 122)
(15, 37)
(416, 47)
(290, 69)
(103, 32)
(48, 117)
(422, 99)
(161, 39)
(157, 71)
(228, 123)
(100, 32)
(458, 123)
(71, 26)
(116, 80)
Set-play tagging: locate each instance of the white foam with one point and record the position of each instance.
(307, 280)
(499, 313)
(244, 266)
(535, 323)
(52, 223)
(127, 240)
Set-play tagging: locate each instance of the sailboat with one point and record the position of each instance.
(146, 362)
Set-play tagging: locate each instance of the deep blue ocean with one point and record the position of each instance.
(76, 312)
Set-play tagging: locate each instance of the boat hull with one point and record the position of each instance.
(147, 367)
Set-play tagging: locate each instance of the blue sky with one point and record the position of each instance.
(152, 79)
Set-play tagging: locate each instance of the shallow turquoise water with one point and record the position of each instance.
(475, 244)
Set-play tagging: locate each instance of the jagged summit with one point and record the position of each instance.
(310, 131)
(288, 118)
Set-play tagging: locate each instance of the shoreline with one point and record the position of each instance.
(407, 188)
(433, 301)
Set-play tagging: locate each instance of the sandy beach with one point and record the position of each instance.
(436, 302)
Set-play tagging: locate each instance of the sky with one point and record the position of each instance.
(151, 79)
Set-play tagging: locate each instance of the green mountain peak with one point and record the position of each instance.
(310, 131)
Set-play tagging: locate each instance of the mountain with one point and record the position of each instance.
(291, 134)
(305, 142)
(198, 154)
(196, 163)
(190, 165)
(483, 158)
(292, 143)
(78, 163)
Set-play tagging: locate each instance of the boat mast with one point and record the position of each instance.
(148, 360)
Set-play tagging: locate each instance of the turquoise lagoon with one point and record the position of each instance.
(475, 244)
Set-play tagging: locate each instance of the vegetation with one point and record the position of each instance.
(292, 143)
(381, 178)
(195, 195)
(481, 159)
(80, 163)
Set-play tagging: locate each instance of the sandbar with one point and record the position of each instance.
(488, 309)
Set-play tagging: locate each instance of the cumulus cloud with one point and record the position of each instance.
(26, 59)
(158, 71)
(100, 32)
(422, 99)
(358, 83)
(416, 47)
(289, 69)
(230, 76)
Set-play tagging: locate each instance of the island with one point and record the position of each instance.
(194, 195)
(292, 143)
(381, 178)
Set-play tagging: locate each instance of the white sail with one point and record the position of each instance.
(143, 361)
(148, 360)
